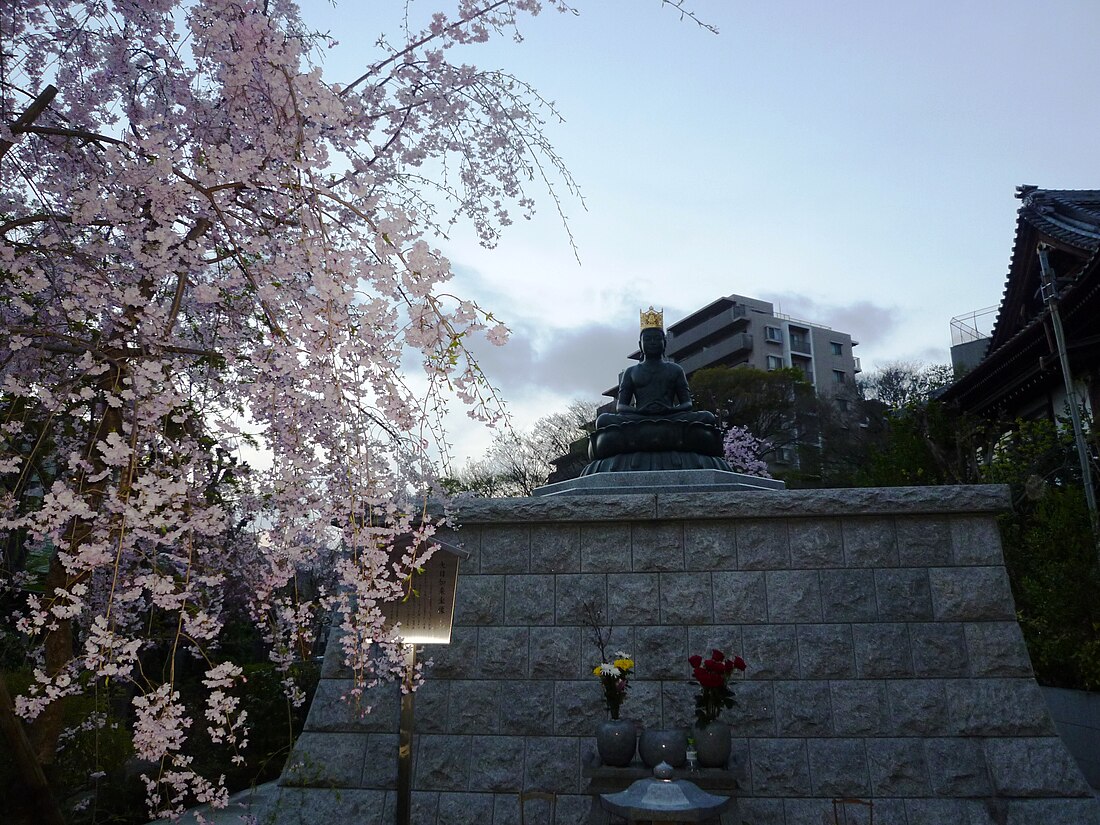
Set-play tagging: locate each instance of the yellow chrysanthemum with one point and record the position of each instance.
(624, 664)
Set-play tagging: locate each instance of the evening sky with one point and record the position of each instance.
(853, 162)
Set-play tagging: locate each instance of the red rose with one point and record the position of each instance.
(728, 666)
(714, 666)
(708, 679)
(717, 655)
(739, 663)
(695, 661)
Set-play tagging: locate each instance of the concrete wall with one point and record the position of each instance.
(1076, 715)
(884, 662)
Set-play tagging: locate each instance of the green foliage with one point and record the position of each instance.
(1051, 560)
(779, 407)
(903, 458)
(92, 776)
(910, 438)
(920, 443)
(768, 403)
(1030, 455)
(273, 725)
(1050, 551)
(96, 778)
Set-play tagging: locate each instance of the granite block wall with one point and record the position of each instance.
(885, 662)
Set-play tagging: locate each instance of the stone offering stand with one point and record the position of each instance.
(885, 663)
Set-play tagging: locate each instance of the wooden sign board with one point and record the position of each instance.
(426, 617)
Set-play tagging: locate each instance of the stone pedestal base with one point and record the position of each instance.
(656, 461)
(654, 481)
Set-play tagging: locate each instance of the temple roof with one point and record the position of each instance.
(1066, 219)
(1072, 215)
(1020, 356)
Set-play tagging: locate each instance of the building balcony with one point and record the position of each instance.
(855, 362)
(806, 364)
(800, 345)
(730, 320)
(718, 353)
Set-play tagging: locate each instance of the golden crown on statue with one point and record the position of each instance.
(653, 319)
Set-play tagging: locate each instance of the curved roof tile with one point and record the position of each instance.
(1069, 218)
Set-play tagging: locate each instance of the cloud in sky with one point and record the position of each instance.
(539, 371)
(867, 322)
(578, 362)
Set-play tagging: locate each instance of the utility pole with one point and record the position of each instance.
(1050, 297)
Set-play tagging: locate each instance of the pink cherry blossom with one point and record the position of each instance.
(742, 450)
(207, 247)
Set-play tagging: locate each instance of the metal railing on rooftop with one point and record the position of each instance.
(973, 326)
(800, 322)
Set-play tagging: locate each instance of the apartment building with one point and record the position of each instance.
(739, 331)
(736, 330)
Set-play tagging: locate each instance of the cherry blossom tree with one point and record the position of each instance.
(743, 451)
(207, 246)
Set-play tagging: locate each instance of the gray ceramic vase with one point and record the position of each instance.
(616, 740)
(713, 744)
(656, 746)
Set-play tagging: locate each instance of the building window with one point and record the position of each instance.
(773, 334)
(838, 348)
(774, 362)
(839, 377)
(842, 404)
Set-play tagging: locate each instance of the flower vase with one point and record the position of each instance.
(713, 743)
(616, 740)
(656, 746)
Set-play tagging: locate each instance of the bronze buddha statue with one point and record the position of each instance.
(654, 426)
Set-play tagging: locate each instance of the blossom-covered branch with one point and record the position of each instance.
(208, 248)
